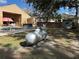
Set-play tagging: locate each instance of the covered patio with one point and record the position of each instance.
(9, 18)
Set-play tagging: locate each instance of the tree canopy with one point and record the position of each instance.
(49, 7)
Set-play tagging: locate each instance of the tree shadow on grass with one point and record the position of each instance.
(39, 54)
(63, 33)
(6, 52)
(50, 51)
(19, 35)
(62, 52)
(55, 52)
(45, 51)
(9, 52)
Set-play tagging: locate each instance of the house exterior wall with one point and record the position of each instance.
(1, 15)
(16, 10)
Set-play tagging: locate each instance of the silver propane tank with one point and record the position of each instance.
(34, 37)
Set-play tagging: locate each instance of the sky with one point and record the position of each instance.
(20, 3)
(24, 5)
(67, 10)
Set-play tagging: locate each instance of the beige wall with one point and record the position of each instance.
(32, 21)
(1, 15)
(14, 9)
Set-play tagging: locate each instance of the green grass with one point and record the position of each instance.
(43, 53)
(10, 40)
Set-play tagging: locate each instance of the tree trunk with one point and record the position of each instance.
(76, 16)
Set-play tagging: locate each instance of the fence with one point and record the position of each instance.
(50, 24)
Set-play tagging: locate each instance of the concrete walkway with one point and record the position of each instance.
(9, 32)
(3, 34)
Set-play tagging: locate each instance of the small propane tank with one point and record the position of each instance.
(36, 36)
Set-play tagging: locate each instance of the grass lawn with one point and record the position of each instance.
(42, 52)
(12, 41)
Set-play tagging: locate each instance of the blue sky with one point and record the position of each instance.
(20, 3)
(24, 5)
(67, 10)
